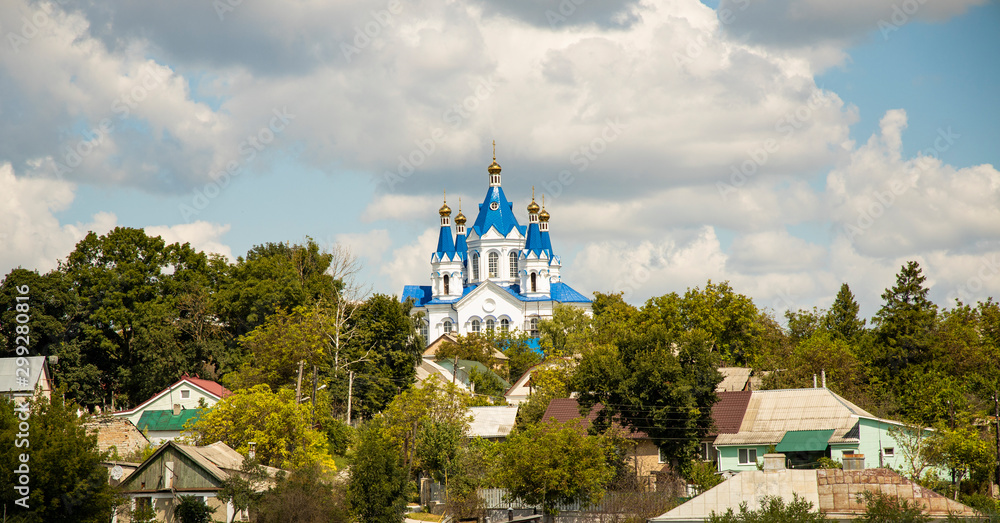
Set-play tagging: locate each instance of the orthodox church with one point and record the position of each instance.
(497, 274)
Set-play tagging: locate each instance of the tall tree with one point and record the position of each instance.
(65, 476)
(376, 490)
(655, 382)
(842, 319)
(551, 463)
(906, 319)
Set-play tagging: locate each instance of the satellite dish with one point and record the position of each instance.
(116, 472)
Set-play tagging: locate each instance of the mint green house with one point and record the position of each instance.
(805, 425)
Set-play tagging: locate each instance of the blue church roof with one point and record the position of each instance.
(421, 294)
(446, 245)
(534, 243)
(461, 248)
(502, 218)
(546, 243)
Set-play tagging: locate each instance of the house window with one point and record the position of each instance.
(446, 291)
(889, 452)
(490, 324)
(145, 504)
(447, 326)
(748, 456)
(706, 451)
(662, 458)
(185, 394)
(504, 325)
(475, 266)
(533, 326)
(475, 326)
(533, 286)
(494, 262)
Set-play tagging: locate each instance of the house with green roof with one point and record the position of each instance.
(166, 425)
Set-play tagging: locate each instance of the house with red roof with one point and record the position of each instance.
(162, 417)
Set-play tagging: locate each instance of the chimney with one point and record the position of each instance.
(854, 462)
(177, 409)
(824, 377)
(774, 462)
(814, 381)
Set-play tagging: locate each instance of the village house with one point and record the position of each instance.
(163, 416)
(25, 377)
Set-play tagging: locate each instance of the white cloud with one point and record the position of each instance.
(203, 236)
(409, 264)
(30, 233)
(397, 207)
(371, 245)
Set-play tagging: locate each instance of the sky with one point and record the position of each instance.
(784, 146)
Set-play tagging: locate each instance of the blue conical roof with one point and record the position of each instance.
(499, 216)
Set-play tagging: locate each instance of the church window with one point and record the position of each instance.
(495, 206)
(513, 265)
(447, 326)
(533, 282)
(494, 261)
(489, 325)
(475, 266)
(533, 326)
(423, 330)
(475, 326)
(446, 291)
(504, 325)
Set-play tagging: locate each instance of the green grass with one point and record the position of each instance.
(423, 516)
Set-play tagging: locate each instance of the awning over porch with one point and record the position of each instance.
(804, 441)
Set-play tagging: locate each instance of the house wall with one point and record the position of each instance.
(729, 457)
(875, 438)
(186, 474)
(164, 504)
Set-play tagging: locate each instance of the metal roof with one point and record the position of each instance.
(10, 382)
(492, 422)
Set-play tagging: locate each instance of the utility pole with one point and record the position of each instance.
(298, 383)
(314, 395)
(996, 415)
(350, 390)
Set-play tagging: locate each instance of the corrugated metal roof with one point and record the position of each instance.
(9, 382)
(771, 413)
(733, 379)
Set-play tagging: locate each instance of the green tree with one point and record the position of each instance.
(66, 479)
(566, 332)
(377, 488)
(803, 324)
(552, 463)
(244, 490)
(193, 509)
(548, 382)
(438, 446)
(281, 429)
(905, 321)
(883, 508)
(432, 402)
(702, 475)
(964, 452)
(655, 383)
(773, 509)
(305, 496)
(842, 319)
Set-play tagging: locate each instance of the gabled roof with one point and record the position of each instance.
(465, 368)
(502, 218)
(727, 413)
(10, 383)
(734, 378)
(208, 387)
(165, 420)
(446, 245)
(835, 492)
(772, 413)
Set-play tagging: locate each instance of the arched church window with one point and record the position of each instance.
(475, 326)
(475, 266)
(423, 330)
(513, 265)
(494, 262)
(533, 326)
(490, 324)
(504, 325)
(447, 326)
(446, 291)
(533, 282)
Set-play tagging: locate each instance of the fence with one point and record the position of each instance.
(612, 502)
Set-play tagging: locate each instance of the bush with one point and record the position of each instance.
(772, 510)
(882, 508)
(193, 510)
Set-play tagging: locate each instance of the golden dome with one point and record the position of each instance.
(544, 215)
(460, 219)
(494, 167)
(445, 210)
(533, 207)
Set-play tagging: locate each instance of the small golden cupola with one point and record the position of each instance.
(533, 208)
(544, 215)
(494, 168)
(460, 218)
(445, 212)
